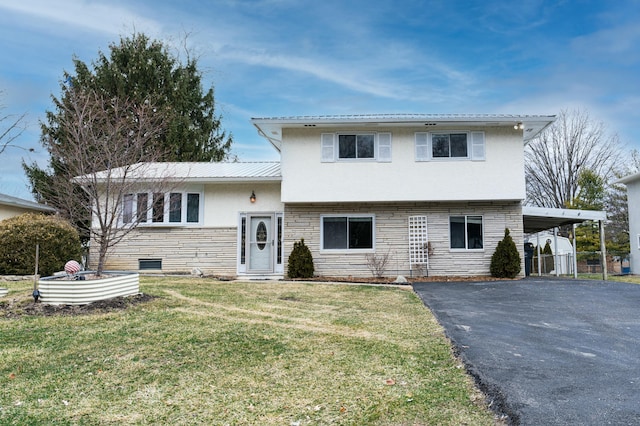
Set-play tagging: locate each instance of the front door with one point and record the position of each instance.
(261, 244)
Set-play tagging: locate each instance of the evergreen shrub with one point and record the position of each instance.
(58, 240)
(506, 261)
(300, 263)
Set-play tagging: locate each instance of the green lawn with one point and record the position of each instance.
(635, 279)
(206, 352)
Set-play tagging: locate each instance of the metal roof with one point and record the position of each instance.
(198, 172)
(8, 200)
(271, 127)
(538, 219)
(413, 118)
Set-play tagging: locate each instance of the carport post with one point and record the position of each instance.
(538, 248)
(555, 251)
(575, 254)
(603, 250)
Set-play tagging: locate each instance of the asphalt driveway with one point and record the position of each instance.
(547, 351)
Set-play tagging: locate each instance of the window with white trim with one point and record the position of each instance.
(159, 208)
(352, 232)
(355, 147)
(466, 232)
(456, 145)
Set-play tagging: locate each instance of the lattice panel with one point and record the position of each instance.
(418, 251)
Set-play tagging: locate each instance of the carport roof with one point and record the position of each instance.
(538, 219)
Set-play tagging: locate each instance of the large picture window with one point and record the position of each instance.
(347, 232)
(466, 232)
(161, 208)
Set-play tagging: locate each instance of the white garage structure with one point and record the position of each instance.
(536, 219)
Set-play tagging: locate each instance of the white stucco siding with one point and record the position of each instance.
(307, 179)
(223, 202)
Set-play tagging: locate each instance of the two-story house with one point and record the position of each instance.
(432, 194)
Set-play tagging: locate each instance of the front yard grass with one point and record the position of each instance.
(634, 279)
(206, 352)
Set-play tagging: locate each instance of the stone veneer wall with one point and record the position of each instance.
(303, 221)
(212, 250)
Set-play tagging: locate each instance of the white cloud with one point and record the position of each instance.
(104, 18)
(375, 75)
(620, 42)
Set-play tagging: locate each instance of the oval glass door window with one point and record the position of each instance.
(261, 235)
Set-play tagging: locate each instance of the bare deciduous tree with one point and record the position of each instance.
(556, 158)
(106, 153)
(11, 127)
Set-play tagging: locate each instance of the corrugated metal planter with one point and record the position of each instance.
(56, 291)
(4, 292)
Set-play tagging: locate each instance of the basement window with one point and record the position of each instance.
(149, 264)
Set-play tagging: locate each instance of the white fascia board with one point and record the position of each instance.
(564, 213)
(629, 179)
(271, 128)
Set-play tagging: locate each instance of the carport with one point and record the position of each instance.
(536, 219)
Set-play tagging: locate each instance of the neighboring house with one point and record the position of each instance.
(633, 202)
(433, 193)
(13, 206)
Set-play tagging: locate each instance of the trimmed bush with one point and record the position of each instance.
(300, 261)
(506, 262)
(59, 242)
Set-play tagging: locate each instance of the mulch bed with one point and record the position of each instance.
(410, 280)
(18, 307)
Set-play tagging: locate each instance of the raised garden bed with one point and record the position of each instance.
(66, 291)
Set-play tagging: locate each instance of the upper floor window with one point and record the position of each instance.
(159, 208)
(449, 145)
(444, 145)
(355, 147)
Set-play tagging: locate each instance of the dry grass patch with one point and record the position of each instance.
(237, 353)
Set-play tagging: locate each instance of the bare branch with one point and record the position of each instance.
(554, 161)
(377, 264)
(110, 144)
(9, 134)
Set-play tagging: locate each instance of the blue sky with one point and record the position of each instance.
(269, 58)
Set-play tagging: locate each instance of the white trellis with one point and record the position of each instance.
(418, 242)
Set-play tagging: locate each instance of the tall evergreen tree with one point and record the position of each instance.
(140, 70)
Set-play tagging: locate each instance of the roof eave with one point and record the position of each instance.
(628, 179)
(532, 125)
(203, 179)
